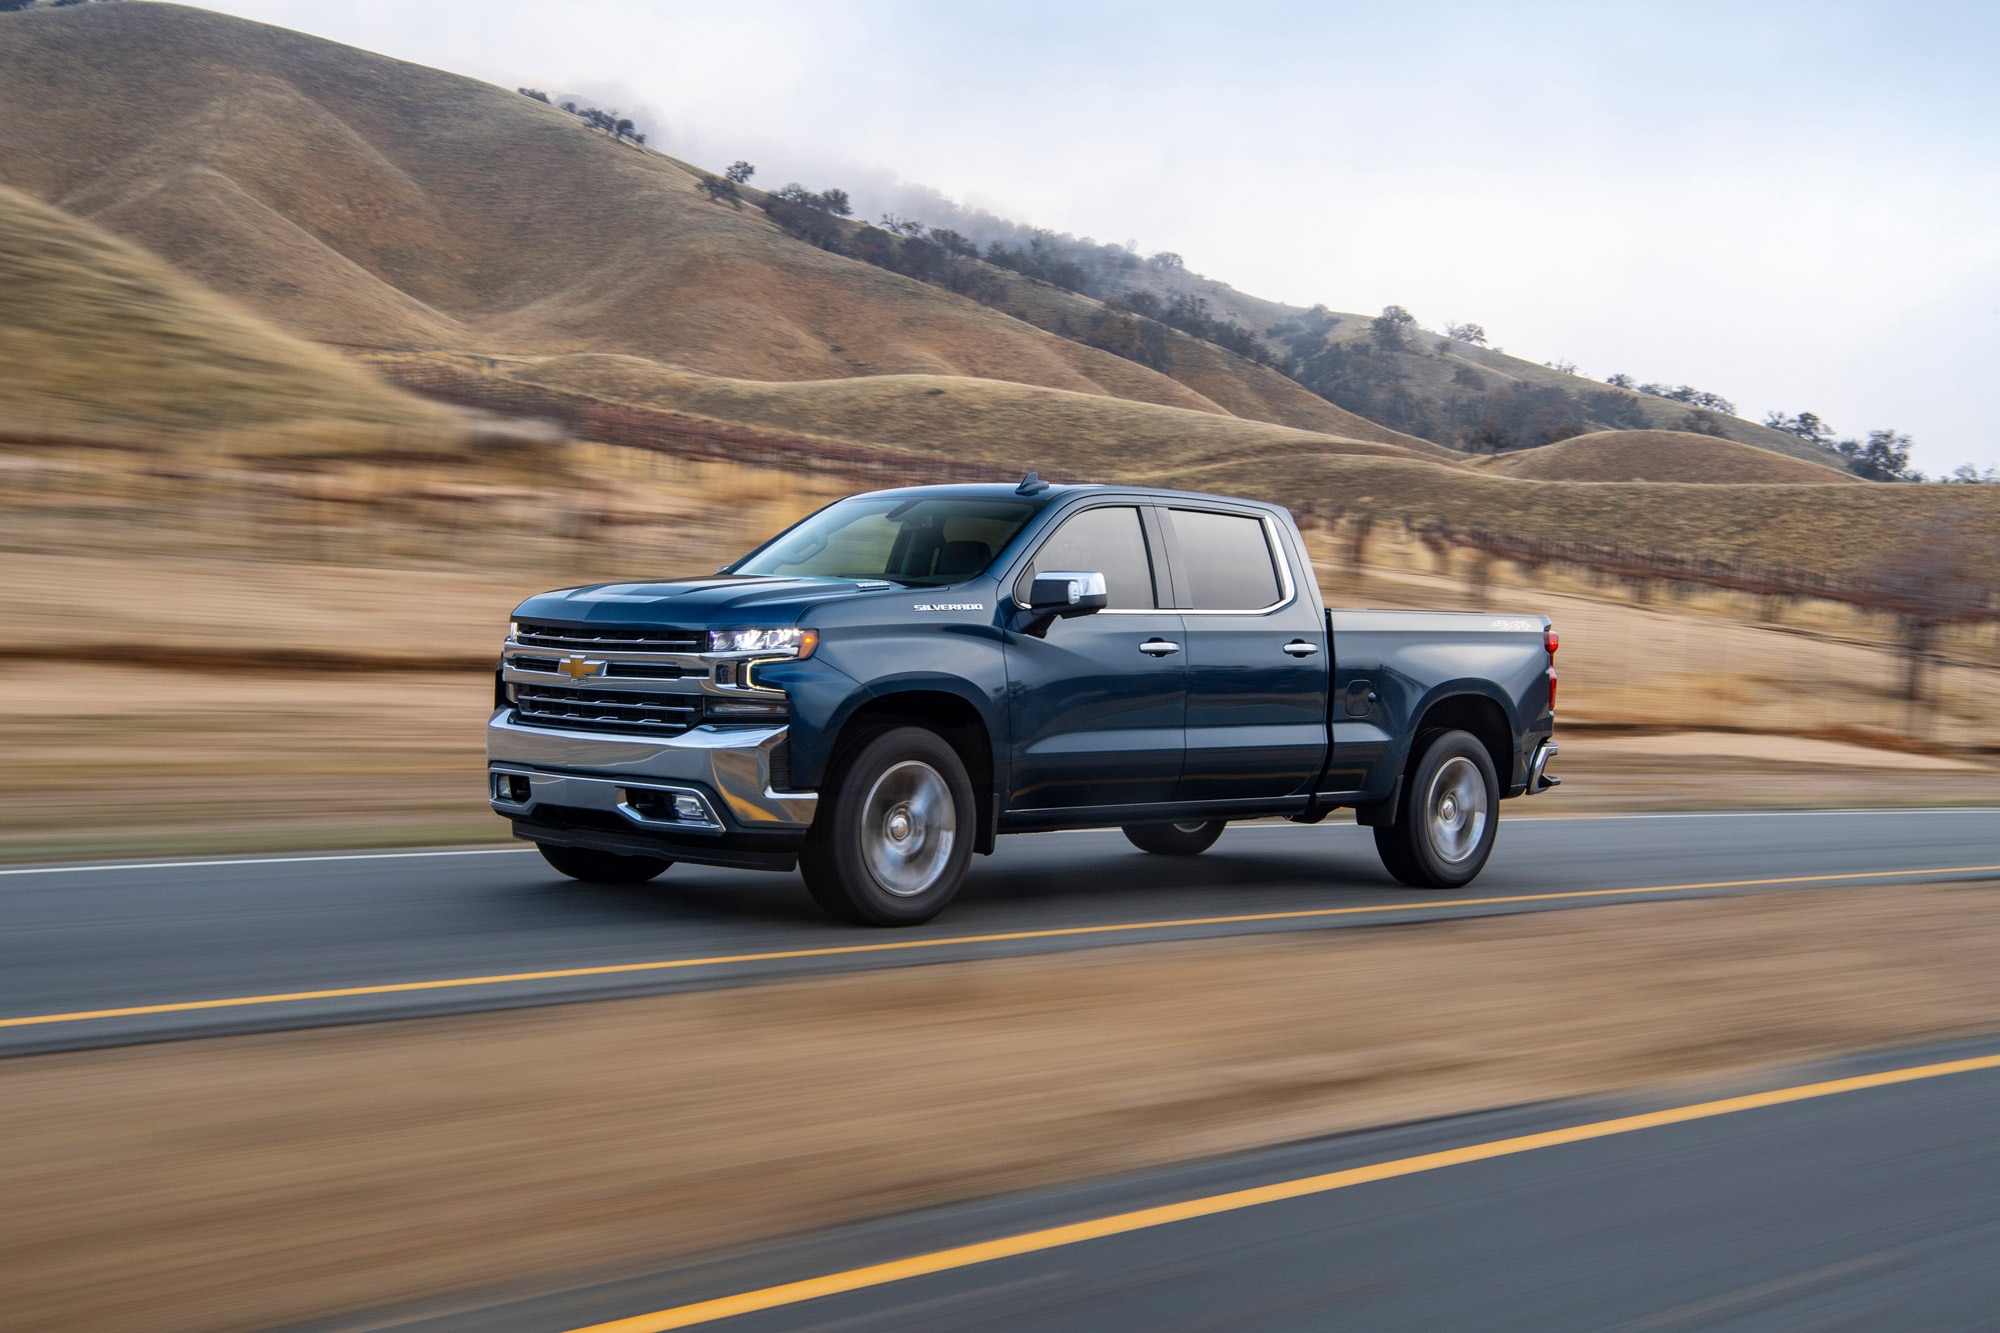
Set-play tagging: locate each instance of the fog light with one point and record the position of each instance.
(690, 808)
(512, 788)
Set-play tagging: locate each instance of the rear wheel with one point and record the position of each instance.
(1447, 815)
(890, 846)
(1187, 839)
(594, 867)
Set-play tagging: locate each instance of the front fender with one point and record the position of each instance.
(822, 706)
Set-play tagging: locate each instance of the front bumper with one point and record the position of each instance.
(727, 770)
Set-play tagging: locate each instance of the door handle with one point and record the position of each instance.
(1158, 647)
(1300, 648)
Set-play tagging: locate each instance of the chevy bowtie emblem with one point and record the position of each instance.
(577, 666)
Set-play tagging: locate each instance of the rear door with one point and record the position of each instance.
(1098, 707)
(1257, 657)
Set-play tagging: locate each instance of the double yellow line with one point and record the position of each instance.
(946, 942)
(1031, 1242)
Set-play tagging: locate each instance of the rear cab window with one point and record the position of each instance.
(1225, 561)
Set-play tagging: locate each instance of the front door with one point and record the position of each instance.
(1098, 706)
(1257, 660)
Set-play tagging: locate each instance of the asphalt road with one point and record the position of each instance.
(1846, 1207)
(83, 940)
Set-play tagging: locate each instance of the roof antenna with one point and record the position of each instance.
(1032, 484)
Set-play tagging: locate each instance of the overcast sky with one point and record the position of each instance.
(1794, 205)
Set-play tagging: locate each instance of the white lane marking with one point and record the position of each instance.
(258, 861)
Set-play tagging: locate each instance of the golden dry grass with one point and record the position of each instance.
(1663, 455)
(369, 202)
(96, 334)
(1068, 434)
(1837, 529)
(179, 657)
(250, 1182)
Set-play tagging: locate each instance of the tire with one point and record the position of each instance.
(1447, 815)
(594, 867)
(890, 846)
(1190, 839)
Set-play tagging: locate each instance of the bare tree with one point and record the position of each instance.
(1937, 576)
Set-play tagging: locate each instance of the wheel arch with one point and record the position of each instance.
(949, 713)
(1471, 710)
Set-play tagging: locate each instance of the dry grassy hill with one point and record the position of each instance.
(97, 336)
(366, 202)
(1447, 389)
(1015, 425)
(413, 215)
(1664, 455)
(1839, 530)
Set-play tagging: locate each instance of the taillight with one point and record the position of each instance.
(1551, 640)
(1552, 689)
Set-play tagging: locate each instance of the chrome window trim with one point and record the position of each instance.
(1287, 589)
(1159, 561)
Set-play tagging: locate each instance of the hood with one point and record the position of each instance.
(709, 600)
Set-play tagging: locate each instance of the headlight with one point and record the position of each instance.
(793, 642)
(513, 629)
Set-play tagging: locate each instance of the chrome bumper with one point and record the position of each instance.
(598, 772)
(1538, 780)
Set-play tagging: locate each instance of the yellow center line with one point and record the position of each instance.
(1007, 1247)
(894, 946)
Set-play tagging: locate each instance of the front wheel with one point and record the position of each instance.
(1447, 815)
(594, 867)
(891, 844)
(1191, 839)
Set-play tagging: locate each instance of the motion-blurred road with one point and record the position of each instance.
(1870, 1207)
(77, 941)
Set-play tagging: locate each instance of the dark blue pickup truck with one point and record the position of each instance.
(883, 689)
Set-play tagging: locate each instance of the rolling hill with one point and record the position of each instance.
(97, 336)
(1664, 455)
(1015, 425)
(1448, 391)
(369, 203)
(415, 219)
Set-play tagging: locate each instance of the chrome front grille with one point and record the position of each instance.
(590, 639)
(620, 670)
(606, 710)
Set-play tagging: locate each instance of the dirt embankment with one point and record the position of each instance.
(246, 1182)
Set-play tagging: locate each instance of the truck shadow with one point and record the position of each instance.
(1025, 887)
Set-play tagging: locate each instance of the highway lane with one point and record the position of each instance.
(88, 939)
(1858, 1195)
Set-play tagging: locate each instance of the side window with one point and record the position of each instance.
(1109, 541)
(1226, 560)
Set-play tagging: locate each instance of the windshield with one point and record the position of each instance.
(927, 542)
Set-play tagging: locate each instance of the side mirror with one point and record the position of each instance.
(1058, 595)
(1068, 594)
